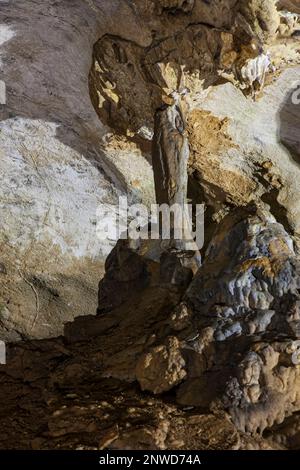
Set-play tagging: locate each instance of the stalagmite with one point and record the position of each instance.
(170, 155)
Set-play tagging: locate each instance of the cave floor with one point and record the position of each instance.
(53, 399)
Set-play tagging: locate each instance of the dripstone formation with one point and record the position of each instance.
(232, 342)
(182, 354)
(170, 154)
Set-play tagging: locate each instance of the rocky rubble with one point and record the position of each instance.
(108, 414)
(233, 339)
(220, 355)
(246, 299)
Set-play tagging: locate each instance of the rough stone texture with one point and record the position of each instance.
(134, 265)
(259, 152)
(59, 161)
(246, 299)
(39, 412)
(176, 5)
(232, 340)
(222, 346)
(165, 358)
(55, 169)
(289, 23)
(228, 347)
(289, 5)
(170, 156)
(251, 158)
(123, 69)
(261, 16)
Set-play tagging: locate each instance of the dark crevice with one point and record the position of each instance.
(277, 209)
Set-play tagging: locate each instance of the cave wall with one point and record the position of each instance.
(54, 170)
(82, 81)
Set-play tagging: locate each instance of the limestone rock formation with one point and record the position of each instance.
(262, 17)
(162, 368)
(232, 341)
(129, 79)
(228, 346)
(82, 413)
(68, 161)
(55, 169)
(179, 356)
(289, 5)
(170, 156)
(176, 5)
(134, 265)
(247, 297)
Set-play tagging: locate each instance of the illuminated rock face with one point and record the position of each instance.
(80, 84)
(246, 297)
(54, 169)
(241, 149)
(233, 338)
(170, 156)
(59, 161)
(228, 345)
